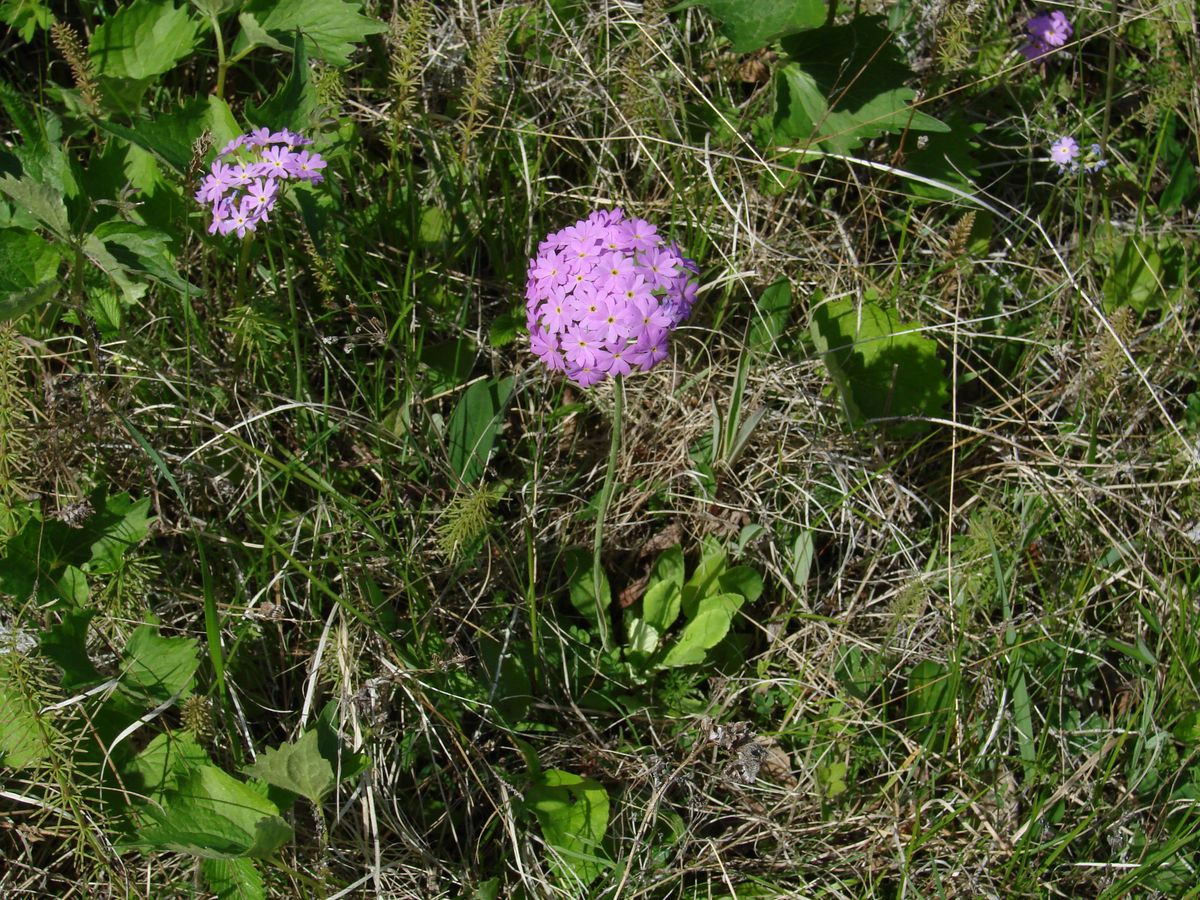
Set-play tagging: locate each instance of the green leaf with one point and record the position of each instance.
(704, 579)
(741, 580)
(124, 524)
(331, 28)
(771, 314)
(212, 815)
(143, 39)
(26, 17)
(65, 644)
(664, 595)
(346, 763)
(297, 767)
(1135, 277)
(844, 85)
(581, 585)
(947, 157)
(142, 249)
(98, 253)
(20, 302)
(881, 366)
(930, 698)
(573, 814)
(159, 666)
(21, 741)
(293, 105)
(752, 25)
(163, 764)
(169, 136)
(704, 630)
(234, 879)
(473, 426)
(450, 363)
(216, 8)
(41, 201)
(641, 639)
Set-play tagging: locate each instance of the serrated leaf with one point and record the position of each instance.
(144, 39)
(473, 425)
(346, 762)
(750, 26)
(297, 767)
(163, 764)
(573, 814)
(20, 302)
(161, 667)
(881, 366)
(234, 879)
(704, 630)
(26, 17)
(292, 106)
(844, 85)
(41, 201)
(168, 135)
(140, 248)
(21, 741)
(214, 816)
(331, 28)
(99, 255)
(65, 644)
(124, 525)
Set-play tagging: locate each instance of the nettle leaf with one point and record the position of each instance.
(168, 760)
(161, 667)
(144, 39)
(214, 816)
(145, 250)
(881, 366)
(167, 135)
(331, 27)
(26, 17)
(298, 767)
(704, 630)
(41, 201)
(292, 106)
(474, 424)
(21, 738)
(844, 85)
(234, 879)
(124, 524)
(750, 26)
(27, 264)
(573, 814)
(65, 644)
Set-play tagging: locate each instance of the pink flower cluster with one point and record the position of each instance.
(1047, 31)
(604, 294)
(243, 184)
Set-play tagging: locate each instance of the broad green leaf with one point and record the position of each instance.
(124, 525)
(169, 136)
(704, 630)
(297, 767)
(143, 39)
(844, 85)
(65, 644)
(1136, 277)
(41, 201)
(159, 666)
(253, 36)
(216, 7)
(664, 596)
(142, 249)
(234, 879)
(98, 253)
(41, 151)
(751, 25)
(947, 157)
(473, 426)
(741, 580)
(346, 762)
(20, 302)
(26, 17)
(221, 122)
(573, 814)
(214, 816)
(581, 587)
(166, 761)
(292, 106)
(930, 698)
(770, 316)
(704, 578)
(37, 559)
(331, 28)
(21, 741)
(881, 366)
(642, 638)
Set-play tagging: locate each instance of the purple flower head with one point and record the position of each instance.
(1046, 32)
(244, 183)
(603, 295)
(1064, 152)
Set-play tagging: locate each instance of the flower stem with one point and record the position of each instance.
(606, 492)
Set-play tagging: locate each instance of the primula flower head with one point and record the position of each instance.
(1064, 151)
(603, 295)
(243, 185)
(1046, 32)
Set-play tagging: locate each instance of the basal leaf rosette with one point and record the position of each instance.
(604, 295)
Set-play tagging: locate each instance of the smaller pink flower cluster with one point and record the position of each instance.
(1046, 32)
(604, 294)
(242, 191)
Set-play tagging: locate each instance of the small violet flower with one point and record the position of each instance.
(1064, 152)
(1045, 33)
(243, 185)
(603, 295)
